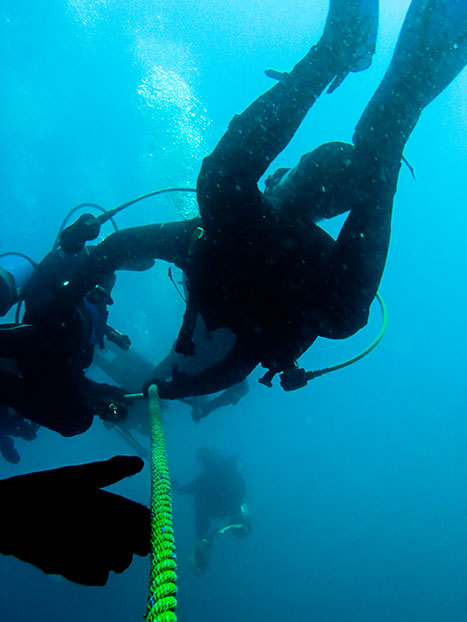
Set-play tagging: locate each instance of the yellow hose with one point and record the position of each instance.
(162, 581)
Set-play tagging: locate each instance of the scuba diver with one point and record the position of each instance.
(219, 494)
(62, 522)
(257, 262)
(76, 530)
(12, 425)
(42, 360)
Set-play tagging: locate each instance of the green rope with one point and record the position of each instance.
(162, 581)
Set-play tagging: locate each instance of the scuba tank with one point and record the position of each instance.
(15, 271)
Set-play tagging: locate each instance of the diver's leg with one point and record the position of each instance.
(356, 265)
(168, 241)
(430, 52)
(228, 178)
(315, 187)
(199, 559)
(229, 397)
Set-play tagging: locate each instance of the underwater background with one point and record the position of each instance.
(357, 484)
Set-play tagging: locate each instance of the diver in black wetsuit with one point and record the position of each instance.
(42, 371)
(219, 494)
(263, 268)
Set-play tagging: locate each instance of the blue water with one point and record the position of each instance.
(356, 484)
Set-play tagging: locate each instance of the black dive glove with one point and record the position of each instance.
(172, 390)
(105, 400)
(62, 522)
(109, 402)
(74, 237)
(163, 388)
(119, 339)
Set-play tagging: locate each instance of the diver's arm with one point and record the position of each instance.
(92, 388)
(77, 530)
(231, 370)
(18, 340)
(167, 241)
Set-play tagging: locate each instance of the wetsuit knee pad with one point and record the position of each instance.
(319, 184)
(344, 322)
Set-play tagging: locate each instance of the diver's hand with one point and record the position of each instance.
(107, 401)
(74, 237)
(177, 388)
(119, 339)
(165, 389)
(62, 522)
(146, 385)
(111, 410)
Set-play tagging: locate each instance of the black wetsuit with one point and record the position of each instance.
(265, 271)
(264, 268)
(218, 492)
(44, 359)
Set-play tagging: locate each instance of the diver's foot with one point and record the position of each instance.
(199, 409)
(431, 49)
(349, 36)
(347, 44)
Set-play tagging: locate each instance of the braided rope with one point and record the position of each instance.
(162, 581)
